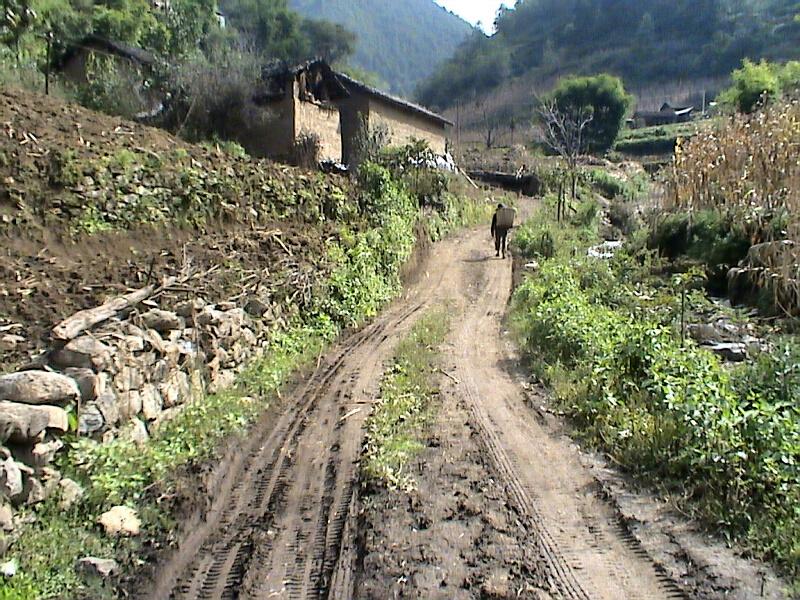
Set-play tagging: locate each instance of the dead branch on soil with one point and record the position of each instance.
(73, 326)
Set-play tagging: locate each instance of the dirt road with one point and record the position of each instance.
(521, 509)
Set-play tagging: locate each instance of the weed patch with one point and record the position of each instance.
(395, 428)
(723, 441)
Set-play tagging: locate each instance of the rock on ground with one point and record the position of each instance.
(38, 387)
(120, 520)
(84, 352)
(162, 321)
(97, 567)
(24, 422)
(71, 492)
(10, 479)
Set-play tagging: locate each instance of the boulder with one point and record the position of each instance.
(107, 404)
(134, 431)
(11, 485)
(155, 340)
(255, 307)
(130, 405)
(50, 479)
(23, 423)
(120, 520)
(9, 568)
(44, 452)
(70, 491)
(38, 387)
(90, 384)
(175, 389)
(6, 518)
(162, 321)
(223, 380)
(90, 420)
(730, 351)
(84, 352)
(33, 492)
(704, 333)
(128, 378)
(189, 308)
(91, 566)
(152, 403)
(134, 343)
(10, 341)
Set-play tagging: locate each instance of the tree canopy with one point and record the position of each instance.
(643, 41)
(600, 100)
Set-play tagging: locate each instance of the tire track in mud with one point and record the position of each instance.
(278, 525)
(587, 551)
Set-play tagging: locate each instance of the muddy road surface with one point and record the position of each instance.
(505, 508)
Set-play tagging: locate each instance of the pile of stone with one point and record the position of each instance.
(121, 379)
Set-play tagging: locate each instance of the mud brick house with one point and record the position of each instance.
(403, 120)
(312, 99)
(297, 101)
(133, 65)
(667, 115)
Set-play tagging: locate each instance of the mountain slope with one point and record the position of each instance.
(644, 41)
(401, 41)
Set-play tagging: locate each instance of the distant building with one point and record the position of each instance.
(667, 115)
(133, 65)
(313, 99)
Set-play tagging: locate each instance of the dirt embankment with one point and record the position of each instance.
(92, 206)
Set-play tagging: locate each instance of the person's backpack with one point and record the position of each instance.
(505, 217)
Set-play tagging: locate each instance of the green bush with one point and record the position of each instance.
(753, 84)
(728, 440)
(602, 96)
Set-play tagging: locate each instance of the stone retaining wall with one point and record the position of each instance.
(122, 379)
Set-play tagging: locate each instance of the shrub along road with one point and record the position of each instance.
(284, 519)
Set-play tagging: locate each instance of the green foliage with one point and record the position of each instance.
(401, 42)
(753, 85)
(330, 41)
(269, 26)
(395, 427)
(542, 237)
(642, 41)
(601, 96)
(727, 440)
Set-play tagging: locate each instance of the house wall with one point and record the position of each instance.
(324, 121)
(271, 133)
(404, 125)
(351, 112)
(74, 69)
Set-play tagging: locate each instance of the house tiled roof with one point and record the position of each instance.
(390, 99)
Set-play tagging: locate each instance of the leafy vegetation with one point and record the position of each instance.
(660, 139)
(643, 42)
(395, 427)
(376, 225)
(601, 98)
(401, 42)
(755, 84)
(724, 442)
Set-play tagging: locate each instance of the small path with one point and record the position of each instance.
(507, 507)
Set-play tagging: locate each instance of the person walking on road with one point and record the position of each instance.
(500, 226)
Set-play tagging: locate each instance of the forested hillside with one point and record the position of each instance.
(402, 42)
(644, 41)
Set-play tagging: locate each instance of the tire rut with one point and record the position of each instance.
(277, 504)
(282, 522)
(587, 552)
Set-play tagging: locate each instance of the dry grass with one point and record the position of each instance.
(748, 169)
